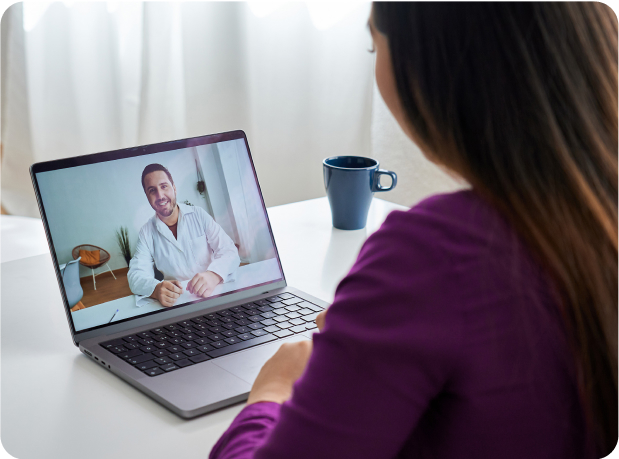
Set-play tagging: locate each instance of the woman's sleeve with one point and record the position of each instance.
(388, 348)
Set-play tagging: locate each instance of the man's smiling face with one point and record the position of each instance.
(160, 192)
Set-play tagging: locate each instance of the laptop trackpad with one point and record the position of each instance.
(247, 364)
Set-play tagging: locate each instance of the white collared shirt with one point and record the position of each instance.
(201, 245)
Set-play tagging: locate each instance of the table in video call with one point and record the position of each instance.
(58, 403)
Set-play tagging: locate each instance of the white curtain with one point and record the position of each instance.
(87, 77)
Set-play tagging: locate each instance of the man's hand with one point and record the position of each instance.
(167, 292)
(279, 373)
(203, 284)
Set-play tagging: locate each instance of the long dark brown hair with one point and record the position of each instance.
(521, 100)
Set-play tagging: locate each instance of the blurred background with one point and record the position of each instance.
(81, 78)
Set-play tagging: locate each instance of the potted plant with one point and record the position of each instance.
(122, 237)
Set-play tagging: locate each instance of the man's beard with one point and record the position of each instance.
(167, 213)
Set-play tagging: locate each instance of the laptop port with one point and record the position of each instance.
(96, 358)
(102, 362)
(87, 352)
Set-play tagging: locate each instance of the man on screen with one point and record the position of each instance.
(183, 242)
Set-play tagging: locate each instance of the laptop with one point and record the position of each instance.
(168, 268)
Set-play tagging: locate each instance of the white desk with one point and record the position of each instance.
(56, 403)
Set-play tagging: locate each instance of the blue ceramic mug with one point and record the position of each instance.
(351, 182)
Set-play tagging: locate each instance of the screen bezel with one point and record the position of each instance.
(153, 316)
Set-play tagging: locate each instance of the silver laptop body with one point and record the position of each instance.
(211, 377)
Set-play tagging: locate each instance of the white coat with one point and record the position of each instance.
(201, 245)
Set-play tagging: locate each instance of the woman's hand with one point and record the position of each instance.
(320, 320)
(275, 380)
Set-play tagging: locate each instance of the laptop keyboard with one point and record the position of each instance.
(207, 337)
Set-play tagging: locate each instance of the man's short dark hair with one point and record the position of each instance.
(154, 168)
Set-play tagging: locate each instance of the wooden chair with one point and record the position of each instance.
(104, 257)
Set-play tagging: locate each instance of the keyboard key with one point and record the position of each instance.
(291, 301)
(201, 341)
(283, 333)
(169, 367)
(262, 303)
(297, 328)
(199, 358)
(297, 321)
(225, 313)
(162, 344)
(293, 308)
(154, 371)
(308, 305)
(162, 337)
(311, 325)
(293, 315)
(129, 354)
(237, 309)
(174, 334)
(268, 315)
(163, 360)
(148, 348)
(144, 335)
(284, 325)
(239, 315)
(242, 322)
(184, 363)
(191, 352)
(267, 322)
(175, 349)
(280, 319)
(203, 333)
(229, 333)
(246, 336)
(256, 318)
(285, 296)
(175, 357)
(212, 323)
(232, 340)
(218, 344)
(230, 326)
(190, 337)
(130, 346)
(146, 341)
(255, 326)
(250, 306)
(216, 337)
(205, 348)
(242, 345)
(171, 327)
(176, 340)
(185, 330)
(189, 344)
(251, 312)
(140, 359)
(198, 320)
(272, 328)
(241, 330)
(200, 327)
(258, 332)
(146, 365)
(211, 316)
(117, 349)
(185, 323)
(130, 338)
(305, 311)
(113, 343)
(226, 320)
(160, 352)
(216, 329)
(311, 317)
(157, 331)
(273, 299)
(281, 311)
(277, 305)
(265, 308)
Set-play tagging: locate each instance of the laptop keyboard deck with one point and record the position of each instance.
(189, 342)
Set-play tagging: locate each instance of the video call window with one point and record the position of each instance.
(110, 227)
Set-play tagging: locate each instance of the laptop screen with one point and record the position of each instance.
(143, 230)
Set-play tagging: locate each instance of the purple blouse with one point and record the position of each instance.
(444, 341)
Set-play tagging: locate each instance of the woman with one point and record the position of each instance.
(481, 323)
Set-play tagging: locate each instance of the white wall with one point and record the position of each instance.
(87, 204)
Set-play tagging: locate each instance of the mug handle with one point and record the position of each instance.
(378, 186)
